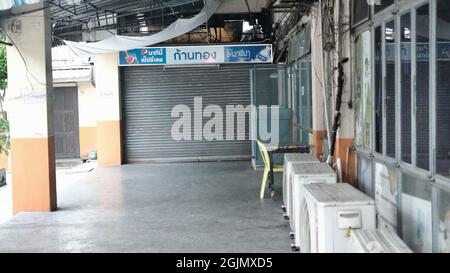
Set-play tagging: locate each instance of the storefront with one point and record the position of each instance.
(401, 65)
(157, 81)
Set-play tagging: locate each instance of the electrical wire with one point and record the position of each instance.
(28, 72)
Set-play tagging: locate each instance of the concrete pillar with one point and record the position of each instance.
(318, 85)
(30, 110)
(346, 137)
(109, 139)
(87, 102)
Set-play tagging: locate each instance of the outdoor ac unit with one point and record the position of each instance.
(329, 214)
(290, 159)
(304, 174)
(376, 241)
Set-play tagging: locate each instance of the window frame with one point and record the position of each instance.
(438, 182)
(433, 98)
(382, 18)
(397, 78)
(411, 12)
(366, 19)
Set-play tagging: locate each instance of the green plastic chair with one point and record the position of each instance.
(266, 160)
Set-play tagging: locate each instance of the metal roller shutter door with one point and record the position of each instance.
(151, 92)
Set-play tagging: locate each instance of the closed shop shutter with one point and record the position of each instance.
(151, 92)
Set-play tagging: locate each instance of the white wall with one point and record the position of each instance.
(317, 70)
(29, 77)
(87, 104)
(107, 82)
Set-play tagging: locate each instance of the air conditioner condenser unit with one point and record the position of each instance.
(304, 174)
(289, 160)
(329, 214)
(376, 241)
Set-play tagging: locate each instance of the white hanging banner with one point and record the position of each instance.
(119, 43)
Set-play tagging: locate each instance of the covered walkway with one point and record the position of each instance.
(206, 207)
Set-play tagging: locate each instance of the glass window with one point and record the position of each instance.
(406, 127)
(358, 90)
(360, 11)
(386, 193)
(365, 175)
(378, 91)
(266, 88)
(300, 44)
(295, 106)
(284, 98)
(383, 4)
(363, 70)
(423, 87)
(444, 222)
(443, 88)
(390, 89)
(305, 101)
(416, 214)
(302, 98)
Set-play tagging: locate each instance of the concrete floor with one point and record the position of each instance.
(6, 201)
(66, 175)
(207, 207)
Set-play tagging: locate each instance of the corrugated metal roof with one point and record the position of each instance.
(8, 4)
(71, 17)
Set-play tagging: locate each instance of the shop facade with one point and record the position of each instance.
(163, 86)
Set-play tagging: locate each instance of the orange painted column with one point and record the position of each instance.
(317, 143)
(87, 102)
(88, 140)
(109, 125)
(33, 175)
(344, 149)
(109, 143)
(29, 104)
(346, 153)
(317, 87)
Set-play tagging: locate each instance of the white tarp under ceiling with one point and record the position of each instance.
(68, 68)
(119, 43)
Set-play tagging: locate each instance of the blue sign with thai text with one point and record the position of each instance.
(187, 55)
(143, 56)
(248, 54)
